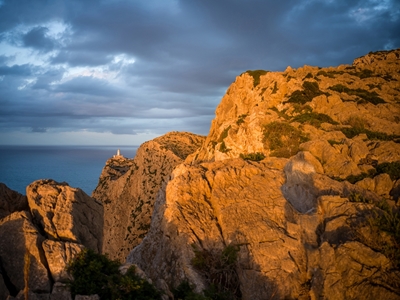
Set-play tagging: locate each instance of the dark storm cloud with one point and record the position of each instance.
(37, 38)
(128, 67)
(16, 70)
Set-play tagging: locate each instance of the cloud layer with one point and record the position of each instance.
(133, 70)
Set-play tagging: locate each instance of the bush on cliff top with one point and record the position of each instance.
(256, 75)
(311, 90)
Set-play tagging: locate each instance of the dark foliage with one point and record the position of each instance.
(96, 274)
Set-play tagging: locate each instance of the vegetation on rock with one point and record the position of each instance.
(218, 267)
(371, 97)
(283, 139)
(257, 156)
(314, 119)
(96, 274)
(256, 75)
(311, 90)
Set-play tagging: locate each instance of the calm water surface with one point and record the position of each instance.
(80, 166)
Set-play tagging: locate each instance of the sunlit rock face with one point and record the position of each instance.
(318, 101)
(302, 213)
(41, 233)
(128, 187)
(66, 213)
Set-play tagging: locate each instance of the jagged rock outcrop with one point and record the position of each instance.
(66, 213)
(303, 228)
(289, 248)
(128, 187)
(41, 233)
(332, 105)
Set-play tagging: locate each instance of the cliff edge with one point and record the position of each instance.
(294, 193)
(128, 188)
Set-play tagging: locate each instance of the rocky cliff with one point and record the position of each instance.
(299, 178)
(128, 188)
(41, 233)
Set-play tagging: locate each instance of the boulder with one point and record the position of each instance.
(21, 254)
(66, 213)
(58, 255)
(335, 162)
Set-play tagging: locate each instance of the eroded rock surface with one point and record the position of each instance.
(128, 187)
(66, 213)
(288, 249)
(21, 251)
(41, 233)
(303, 228)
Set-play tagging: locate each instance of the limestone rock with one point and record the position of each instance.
(381, 184)
(128, 188)
(243, 203)
(58, 255)
(20, 251)
(333, 160)
(385, 151)
(11, 201)
(344, 97)
(66, 213)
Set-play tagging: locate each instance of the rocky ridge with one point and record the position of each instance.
(298, 173)
(40, 234)
(128, 188)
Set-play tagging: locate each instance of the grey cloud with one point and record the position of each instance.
(81, 58)
(90, 86)
(39, 129)
(16, 70)
(37, 38)
(186, 55)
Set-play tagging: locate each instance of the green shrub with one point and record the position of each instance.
(365, 73)
(373, 86)
(359, 198)
(256, 75)
(391, 168)
(275, 89)
(219, 271)
(371, 97)
(311, 90)
(333, 142)
(224, 134)
(314, 119)
(372, 135)
(257, 156)
(241, 118)
(355, 178)
(381, 218)
(309, 75)
(329, 74)
(281, 114)
(96, 274)
(186, 291)
(283, 139)
(223, 148)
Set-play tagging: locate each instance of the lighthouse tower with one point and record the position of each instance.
(118, 154)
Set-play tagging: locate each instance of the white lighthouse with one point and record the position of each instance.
(118, 154)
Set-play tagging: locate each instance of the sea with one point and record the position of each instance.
(79, 166)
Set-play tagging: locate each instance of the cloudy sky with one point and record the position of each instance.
(118, 72)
